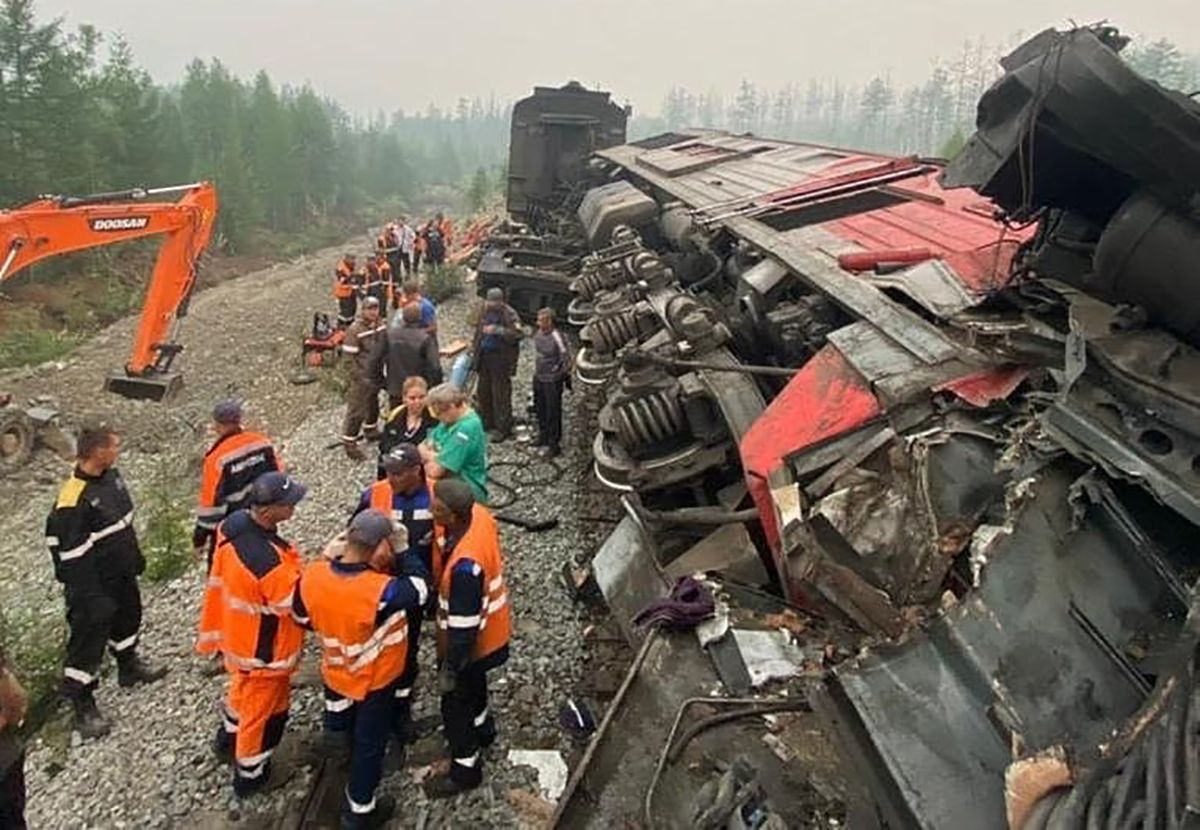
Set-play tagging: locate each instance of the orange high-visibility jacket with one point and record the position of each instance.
(480, 544)
(344, 281)
(230, 467)
(359, 652)
(247, 612)
(447, 229)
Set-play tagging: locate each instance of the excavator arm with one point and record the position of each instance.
(62, 224)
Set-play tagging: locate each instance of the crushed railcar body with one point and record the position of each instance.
(954, 409)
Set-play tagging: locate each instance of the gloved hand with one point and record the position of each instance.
(447, 680)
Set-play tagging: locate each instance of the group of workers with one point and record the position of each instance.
(397, 257)
(419, 547)
(401, 357)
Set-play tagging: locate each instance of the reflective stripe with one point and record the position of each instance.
(242, 452)
(458, 621)
(404, 692)
(468, 762)
(122, 645)
(360, 809)
(421, 588)
(338, 705)
(251, 772)
(254, 663)
(255, 760)
(78, 675)
(390, 632)
(52, 541)
(496, 584)
(207, 512)
(443, 603)
(498, 603)
(208, 524)
(277, 610)
(78, 551)
(481, 718)
(350, 349)
(209, 636)
(422, 513)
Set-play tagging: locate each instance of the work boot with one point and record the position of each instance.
(385, 807)
(443, 786)
(353, 451)
(88, 721)
(372, 435)
(132, 670)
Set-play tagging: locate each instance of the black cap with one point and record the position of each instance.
(369, 528)
(276, 488)
(401, 457)
(228, 411)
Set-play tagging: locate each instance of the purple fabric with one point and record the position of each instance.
(689, 604)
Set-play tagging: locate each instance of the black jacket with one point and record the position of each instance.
(90, 530)
(410, 351)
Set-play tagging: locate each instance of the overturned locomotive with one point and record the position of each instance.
(955, 407)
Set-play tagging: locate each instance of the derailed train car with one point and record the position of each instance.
(956, 407)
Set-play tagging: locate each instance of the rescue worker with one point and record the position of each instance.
(363, 347)
(408, 238)
(446, 229)
(474, 624)
(236, 458)
(389, 246)
(435, 243)
(247, 616)
(498, 335)
(404, 496)
(347, 282)
(408, 350)
(407, 423)
(552, 370)
(456, 447)
(361, 613)
(378, 280)
(14, 702)
(420, 246)
(410, 294)
(97, 558)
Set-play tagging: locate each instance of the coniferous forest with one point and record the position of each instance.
(78, 115)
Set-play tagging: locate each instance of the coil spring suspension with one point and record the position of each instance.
(593, 282)
(609, 333)
(650, 420)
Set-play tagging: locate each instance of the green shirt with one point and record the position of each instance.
(462, 450)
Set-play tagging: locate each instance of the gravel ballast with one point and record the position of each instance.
(156, 769)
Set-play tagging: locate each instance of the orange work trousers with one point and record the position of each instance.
(258, 707)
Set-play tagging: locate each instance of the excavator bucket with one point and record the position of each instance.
(145, 388)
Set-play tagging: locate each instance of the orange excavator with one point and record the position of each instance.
(184, 214)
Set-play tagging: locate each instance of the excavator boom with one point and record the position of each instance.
(62, 224)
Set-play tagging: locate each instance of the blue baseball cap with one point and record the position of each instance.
(276, 488)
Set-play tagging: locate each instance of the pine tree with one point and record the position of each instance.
(479, 191)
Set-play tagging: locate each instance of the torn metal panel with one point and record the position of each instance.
(1128, 444)
(936, 720)
(727, 549)
(932, 284)
(626, 569)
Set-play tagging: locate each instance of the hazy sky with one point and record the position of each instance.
(388, 54)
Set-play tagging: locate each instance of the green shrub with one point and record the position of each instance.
(441, 284)
(29, 347)
(167, 539)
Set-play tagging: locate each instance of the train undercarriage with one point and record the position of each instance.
(952, 408)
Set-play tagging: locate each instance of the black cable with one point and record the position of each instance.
(524, 476)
